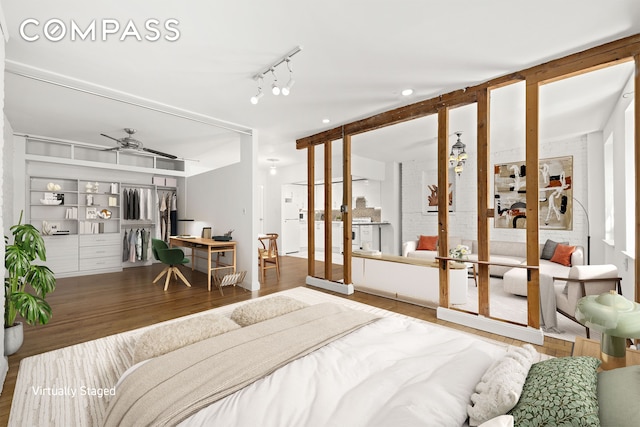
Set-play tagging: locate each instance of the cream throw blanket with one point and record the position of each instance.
(172, 387)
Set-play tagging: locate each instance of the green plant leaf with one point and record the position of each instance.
(16, 261)
(41, 279)
(28, 238)
(33, 308)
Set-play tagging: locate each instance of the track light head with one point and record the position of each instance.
(275, 89)
(256, 98)
(287, 89)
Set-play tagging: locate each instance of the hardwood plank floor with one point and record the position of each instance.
(92, 307)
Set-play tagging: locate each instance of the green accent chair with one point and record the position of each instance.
(171, 257)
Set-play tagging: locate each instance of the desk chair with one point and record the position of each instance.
(172, 257)
(268, 254)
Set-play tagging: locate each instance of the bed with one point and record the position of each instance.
(296, 358)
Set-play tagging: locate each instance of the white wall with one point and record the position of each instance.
(613, 254)
(391, 209)
(226, 199)
(5, 131)
(463, 222)
(361, 167)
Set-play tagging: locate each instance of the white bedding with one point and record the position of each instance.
(392, 372)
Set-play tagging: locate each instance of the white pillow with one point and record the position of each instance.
(265, 309)
(500, 421)
(171, 336)
(501, 385)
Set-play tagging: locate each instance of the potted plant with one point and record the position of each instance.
(26, 284)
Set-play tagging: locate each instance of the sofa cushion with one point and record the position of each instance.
(427, 243)
(550, 248)
(562, 255)
(424, 255)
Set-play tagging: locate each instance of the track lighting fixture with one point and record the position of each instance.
(275, 88)
(256, 97)
(287, 89)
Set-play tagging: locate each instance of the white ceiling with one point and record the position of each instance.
(357, 56)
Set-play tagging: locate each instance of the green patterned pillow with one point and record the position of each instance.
(559, 392)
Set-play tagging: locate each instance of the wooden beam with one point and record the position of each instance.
(319, 138)
(588, 60)
(346, 215)
(443, 203)
(311, 200)
(636, 153)
(412, 111)
(328, 239)
(531, 162)
(484, 169)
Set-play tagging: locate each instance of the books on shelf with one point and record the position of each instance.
(71, 213)
(89, 227)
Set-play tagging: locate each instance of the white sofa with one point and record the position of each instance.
(509, 255)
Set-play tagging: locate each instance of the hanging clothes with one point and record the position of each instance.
(125, 247)
(130, 204)
(168, 217)
(142, 202)
(174, 214)
(149, 205)
(163, 218)
(138, 244)
(157, 231)
(132, 246)
(136, 203)
(125, 204)
(145, 244)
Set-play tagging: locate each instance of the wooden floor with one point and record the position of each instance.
(91, 307)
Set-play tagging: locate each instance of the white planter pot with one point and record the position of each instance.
(13, 337)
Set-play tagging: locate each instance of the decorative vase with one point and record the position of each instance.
(13, 337)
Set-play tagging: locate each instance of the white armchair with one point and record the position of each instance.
(584, 280)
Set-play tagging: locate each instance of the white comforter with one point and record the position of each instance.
(394, 372)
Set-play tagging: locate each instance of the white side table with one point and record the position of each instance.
(458, 282)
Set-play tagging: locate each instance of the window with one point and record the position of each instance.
(629, 181)
(608, 189)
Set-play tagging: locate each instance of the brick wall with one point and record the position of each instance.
(463, 222)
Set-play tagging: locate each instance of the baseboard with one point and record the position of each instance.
(330, 285)
(522, 333)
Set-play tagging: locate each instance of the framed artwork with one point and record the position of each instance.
(430, 192)
(92, 213)
(555, 199)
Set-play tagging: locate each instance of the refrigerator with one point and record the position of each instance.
(290, 227)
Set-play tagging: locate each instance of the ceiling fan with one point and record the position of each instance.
(130, 143)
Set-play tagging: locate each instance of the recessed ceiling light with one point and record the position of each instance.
(407, 92)
(325, 121)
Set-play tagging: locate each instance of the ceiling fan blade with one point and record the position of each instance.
(160, 153)
(110, 137)
(111, 149)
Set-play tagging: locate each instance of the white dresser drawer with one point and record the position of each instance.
(58, 244)
(100, 263)
(100, 239)
(62, 254)
(62, 265)
(100, 251)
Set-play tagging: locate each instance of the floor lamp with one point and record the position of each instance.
(586, 214)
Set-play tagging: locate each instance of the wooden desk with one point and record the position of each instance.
(210, 246)
(587, 347)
